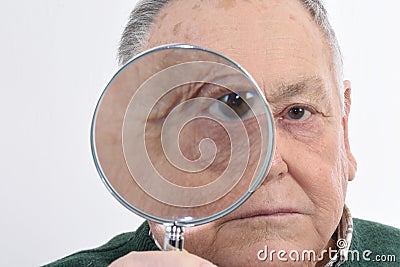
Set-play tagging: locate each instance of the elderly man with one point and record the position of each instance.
(290, 49)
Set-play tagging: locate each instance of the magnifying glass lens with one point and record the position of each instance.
(182, 135)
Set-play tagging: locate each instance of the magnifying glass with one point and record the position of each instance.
(182, 136)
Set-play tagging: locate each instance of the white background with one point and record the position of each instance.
(55, 59)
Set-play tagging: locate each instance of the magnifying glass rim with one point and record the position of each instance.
(187, 221)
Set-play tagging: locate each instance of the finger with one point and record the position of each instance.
(161, 259)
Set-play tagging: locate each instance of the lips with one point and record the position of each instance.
(278, 201)
(266, 212)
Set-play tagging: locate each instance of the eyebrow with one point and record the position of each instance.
(309, 88)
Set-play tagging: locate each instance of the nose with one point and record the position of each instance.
(279, 166)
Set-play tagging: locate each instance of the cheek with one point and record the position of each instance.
(319, 166)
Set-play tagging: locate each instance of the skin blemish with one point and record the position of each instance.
(197, 6)
(226, 4)
(187, 37)
(177, 28)
(160, 19)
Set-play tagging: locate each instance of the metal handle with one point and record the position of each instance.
(173, 238)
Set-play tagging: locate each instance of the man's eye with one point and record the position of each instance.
(239, 103)
(297, 114)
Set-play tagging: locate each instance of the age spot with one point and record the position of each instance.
(177, 28)
(226, 4)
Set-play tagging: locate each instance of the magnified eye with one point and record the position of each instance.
(297, 114)
(239, 103)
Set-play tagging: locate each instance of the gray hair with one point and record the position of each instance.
(136, 33)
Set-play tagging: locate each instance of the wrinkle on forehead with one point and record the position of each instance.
(312, 88)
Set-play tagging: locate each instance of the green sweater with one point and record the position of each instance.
(380, 239)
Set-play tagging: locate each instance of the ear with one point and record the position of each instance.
(352, 163)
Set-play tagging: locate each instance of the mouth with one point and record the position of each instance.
(278, 213)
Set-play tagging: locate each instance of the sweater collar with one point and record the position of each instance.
(343, 236)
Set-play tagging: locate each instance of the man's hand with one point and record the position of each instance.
(161, 259)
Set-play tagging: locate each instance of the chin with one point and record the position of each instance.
(281, 227)
(239, 242)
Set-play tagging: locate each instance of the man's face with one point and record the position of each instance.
(300, 203)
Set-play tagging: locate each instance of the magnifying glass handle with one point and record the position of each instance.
(173, 238)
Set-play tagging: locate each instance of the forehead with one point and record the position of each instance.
(275, 40)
